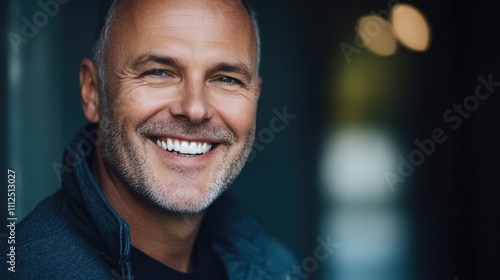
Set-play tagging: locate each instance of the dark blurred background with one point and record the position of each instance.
(323, 179)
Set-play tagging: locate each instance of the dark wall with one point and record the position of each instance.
(3, 107)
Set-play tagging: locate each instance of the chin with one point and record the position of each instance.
(182, 198)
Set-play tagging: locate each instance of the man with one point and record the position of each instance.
(173, 92)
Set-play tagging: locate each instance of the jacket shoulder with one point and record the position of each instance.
(46, 247)
(279, 257)
(43, 222)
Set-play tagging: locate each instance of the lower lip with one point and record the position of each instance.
(183, 159)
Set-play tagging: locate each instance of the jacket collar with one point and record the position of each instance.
(238, 239)
(96, 220)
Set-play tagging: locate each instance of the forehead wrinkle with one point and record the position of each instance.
(183, 33)
(193, 27)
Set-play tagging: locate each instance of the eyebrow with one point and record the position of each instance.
(148, 58)
(238, 68)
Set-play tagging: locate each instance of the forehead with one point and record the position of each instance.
(188, 26)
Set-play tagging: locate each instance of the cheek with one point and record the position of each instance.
(239, 116)
(137, 104)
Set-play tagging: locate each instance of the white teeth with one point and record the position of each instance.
(177, 145)
(193, 148)
(183, 147)
(170, 144)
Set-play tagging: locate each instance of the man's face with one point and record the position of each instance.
(182, 92)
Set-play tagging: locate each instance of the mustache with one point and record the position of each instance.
(214, 133)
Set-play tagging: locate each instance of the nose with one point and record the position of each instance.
(193, 102)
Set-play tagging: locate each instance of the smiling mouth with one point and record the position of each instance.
(184, 148)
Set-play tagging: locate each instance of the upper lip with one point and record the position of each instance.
(183, 138)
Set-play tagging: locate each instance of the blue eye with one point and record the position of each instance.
(228, 80)
(155, 73)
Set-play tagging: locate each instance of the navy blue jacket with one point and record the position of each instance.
(76, 234)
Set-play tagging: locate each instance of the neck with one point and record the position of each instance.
(165, 236)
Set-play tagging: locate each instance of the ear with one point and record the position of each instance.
(89, 90)
(259, 87)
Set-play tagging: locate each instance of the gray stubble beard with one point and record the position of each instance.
(130, 163)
